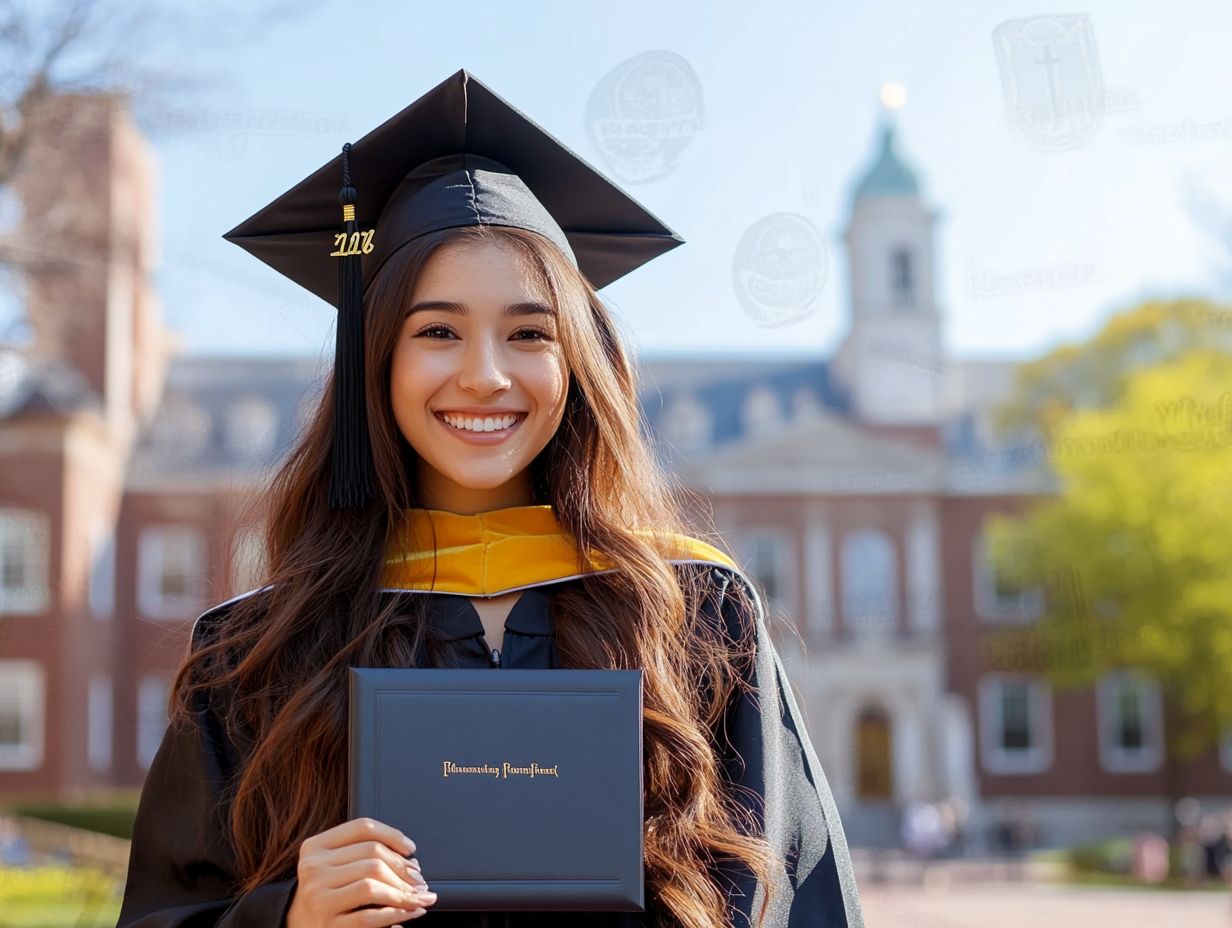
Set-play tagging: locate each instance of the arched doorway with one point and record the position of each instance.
(874, 763)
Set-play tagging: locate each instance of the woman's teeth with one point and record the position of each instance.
(474, 424)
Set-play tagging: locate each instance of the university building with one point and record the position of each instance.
(855, 489)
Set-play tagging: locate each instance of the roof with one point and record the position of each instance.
(888, 176)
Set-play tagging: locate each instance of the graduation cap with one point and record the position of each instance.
(458, 156)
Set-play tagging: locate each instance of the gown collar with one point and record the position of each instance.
(454, 617)
(502, 550)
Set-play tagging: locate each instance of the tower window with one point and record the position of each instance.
(902, 278)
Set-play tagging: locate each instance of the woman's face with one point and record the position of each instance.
(479, 342)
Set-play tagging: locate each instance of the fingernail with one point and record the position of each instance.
(429, 896)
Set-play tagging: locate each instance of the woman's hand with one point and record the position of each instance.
(358, 863)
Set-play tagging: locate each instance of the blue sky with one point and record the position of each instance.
(789, 98)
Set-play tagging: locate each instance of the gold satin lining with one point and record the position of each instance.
(503, 549)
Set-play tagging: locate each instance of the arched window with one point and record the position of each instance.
(870, 583)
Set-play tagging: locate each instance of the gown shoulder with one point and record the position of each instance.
(181, 869)
(773, 771)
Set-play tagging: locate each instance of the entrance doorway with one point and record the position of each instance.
(873, 757)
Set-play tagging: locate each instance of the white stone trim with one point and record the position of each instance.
(100, 722)
(819, 610)
(152, 695)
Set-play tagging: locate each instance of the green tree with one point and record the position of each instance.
(1133, 554)
(1092, 374)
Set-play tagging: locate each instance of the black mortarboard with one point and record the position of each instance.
(457, 156)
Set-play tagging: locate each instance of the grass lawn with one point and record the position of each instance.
(57, 897)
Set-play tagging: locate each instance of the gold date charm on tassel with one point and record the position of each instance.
(352, 243)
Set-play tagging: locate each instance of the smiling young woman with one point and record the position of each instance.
(518, 518)
(480, 342)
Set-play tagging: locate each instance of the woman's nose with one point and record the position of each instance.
(482, 367)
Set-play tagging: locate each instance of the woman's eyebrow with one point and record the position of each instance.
(529, 308)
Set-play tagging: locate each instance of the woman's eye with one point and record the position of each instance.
(435, 328)
(537, 333)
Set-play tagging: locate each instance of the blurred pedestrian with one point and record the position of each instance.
(1213, 836)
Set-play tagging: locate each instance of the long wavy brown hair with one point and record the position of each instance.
(282, 655)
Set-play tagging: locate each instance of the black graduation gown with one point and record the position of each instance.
(181, 869)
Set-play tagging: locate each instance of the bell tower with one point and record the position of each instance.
(891, 362)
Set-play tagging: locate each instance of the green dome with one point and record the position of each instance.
(888, 176)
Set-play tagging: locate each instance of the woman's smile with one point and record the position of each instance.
(472, 435)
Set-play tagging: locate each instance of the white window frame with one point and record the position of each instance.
(856, 624)
(1113, 757)
(995, 758)
(152, 694)
(761, 413)
(102, 579)
(782, 543)
(152, 545)
(685, 424)
(1225, 750)
(100, 716)
(250, 431)
(28, 679)
(27, 533)
(1024, 608)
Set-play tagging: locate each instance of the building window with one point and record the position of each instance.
(101, 592)
(685, 424)
(248, 561)
(1225, 750)
(24, 544)
(251, 429)
(870, 583)
(902, 280)
(171, 569)
(152, 694)
(996, 599)
(1130, 722)
(762, 413)
(182, 430)
(22, 694)
(99, 723)
(1015, 724)
(766, 555)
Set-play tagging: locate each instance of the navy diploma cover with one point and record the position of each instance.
(521, 788)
